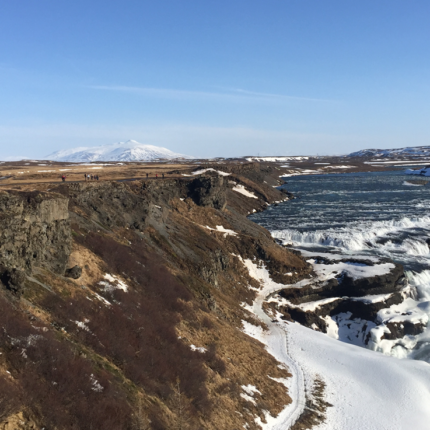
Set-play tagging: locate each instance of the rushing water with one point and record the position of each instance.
(368, 213)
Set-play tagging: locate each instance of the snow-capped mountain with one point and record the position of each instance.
(121, 151)
(414, 151)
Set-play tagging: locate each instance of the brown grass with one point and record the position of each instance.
(52, 381)
(315, 409)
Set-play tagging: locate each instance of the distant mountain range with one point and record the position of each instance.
(121, 151)
(416, 151)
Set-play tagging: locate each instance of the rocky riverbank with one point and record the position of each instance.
(361, 300)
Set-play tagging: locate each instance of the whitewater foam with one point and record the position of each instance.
(359, 217)
(358, 236)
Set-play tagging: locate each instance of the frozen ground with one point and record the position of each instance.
(276, 342)
(368, 390)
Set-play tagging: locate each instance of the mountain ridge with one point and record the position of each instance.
(130, 150)
(408, 151)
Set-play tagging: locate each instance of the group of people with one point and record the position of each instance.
(91, 177)
(86, 176)
(156, 175)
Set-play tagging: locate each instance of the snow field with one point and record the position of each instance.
(368, 390)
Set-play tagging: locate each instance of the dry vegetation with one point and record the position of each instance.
(47, 172)
(83, 356)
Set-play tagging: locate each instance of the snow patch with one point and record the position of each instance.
(95, 385)
(82, 324)
(200, 349)
(352, 269)
(113, 283)
(210, 169)
(242, 190)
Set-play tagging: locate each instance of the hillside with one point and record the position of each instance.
(396, 153)
(123, 304)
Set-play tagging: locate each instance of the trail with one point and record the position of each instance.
(369, 390)
(276, 340)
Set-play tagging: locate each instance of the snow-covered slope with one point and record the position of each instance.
(122, 151)
(422, 172)
(367, 390)
(417, 151)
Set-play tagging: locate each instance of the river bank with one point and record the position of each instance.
(348, 298)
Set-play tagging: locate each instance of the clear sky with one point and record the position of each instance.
(214, 78)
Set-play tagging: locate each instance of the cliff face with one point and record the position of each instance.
(149, 335)
(35, 231)
(131, 204)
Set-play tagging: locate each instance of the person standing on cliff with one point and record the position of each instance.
(147, 175)
(163, 175)
(85, 176)
(156, 176)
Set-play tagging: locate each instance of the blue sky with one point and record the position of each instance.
(214, 78)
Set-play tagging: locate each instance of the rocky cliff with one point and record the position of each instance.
(35, 232)
(130, 303)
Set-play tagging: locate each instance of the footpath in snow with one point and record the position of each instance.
(276, 342)
(368, 390)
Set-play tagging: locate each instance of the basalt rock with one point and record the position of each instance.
(13, 280)
(34, 231)
(141, 203)
(399, 330)
(357, 308)
(348, 297)
(306, 318)
(74, 272)
(381, 284)
(345, 286)
(209, 191)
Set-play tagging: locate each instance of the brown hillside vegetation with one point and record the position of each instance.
(149, 335)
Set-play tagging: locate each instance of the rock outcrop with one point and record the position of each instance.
(209, 191)
(34, 231)
(74, 272)
(346, 301)
(13, 279)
